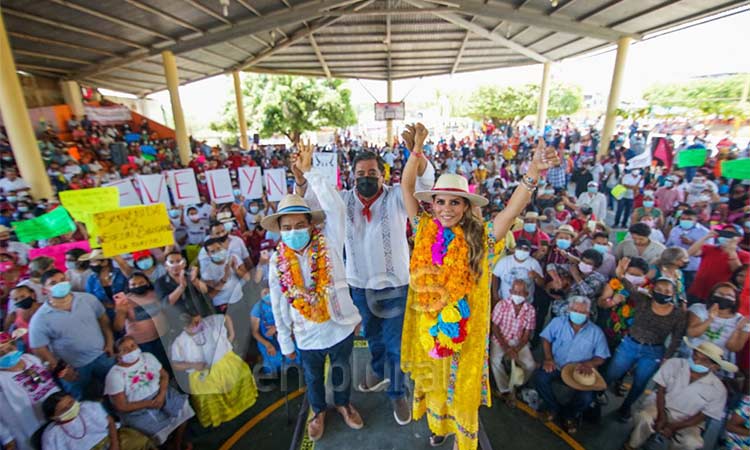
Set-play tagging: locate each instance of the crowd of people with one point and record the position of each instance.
(510, 260)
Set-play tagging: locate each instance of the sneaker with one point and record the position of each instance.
(372, 383)
(316, 426)
(401, 411)
(351, 416)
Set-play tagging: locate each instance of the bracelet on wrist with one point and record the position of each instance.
(300, 184)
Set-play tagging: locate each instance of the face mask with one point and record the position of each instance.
(194, 217)
(661, 299)
(10, 359)
(563, 244)
(130, 358)
(548, 191)
(70, 265)
(517, 299)
(585, 268)
(296, 239)
(254, 209)
(529, 227)
(139, 290)
(592, 190)
(747, 224)
(145, 264)
(723, 302)
(174, 213)
(648, 204)
(60, 290)
(367, 186)
(560, 208)
(601, 248)
(722, 241)
(237, 193)
(12, 199)
(219, 257)
(97, 269)
(70, 414)
(23, 209)
(686, 224)
(5, 266)
(635, 280)
(228, 226)
(698, 368)
(25, 303)
(522, 255)
(668, 184)
(196, 329)
(577, 318)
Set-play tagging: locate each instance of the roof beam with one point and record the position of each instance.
(460, 52)
(109, 18)
(208, 11)
(40, 68)
(319, 54)
(41, 40)
(598, 10)
(48, 56)
(164, 15)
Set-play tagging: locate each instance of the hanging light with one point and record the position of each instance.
(553, 3)
(224, 7)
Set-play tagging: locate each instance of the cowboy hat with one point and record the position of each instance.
(95, 255)
(291, 204)
(566, 229)
(714, 353)
(533, 215)
(452, 185)
(582, 382)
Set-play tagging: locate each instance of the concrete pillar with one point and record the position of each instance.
(743, 104)
(541, 113)
(18, 125)
(173, 83)
(614, 95)
(71, 91)
(240, 110)
(389, 122)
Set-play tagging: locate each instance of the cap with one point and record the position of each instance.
(141, 254)
(267, 244)
(523, 243)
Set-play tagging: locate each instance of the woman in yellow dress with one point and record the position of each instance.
(445, 337)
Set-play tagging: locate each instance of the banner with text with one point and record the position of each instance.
(127, 230)
(82, 204)
(275, 184)
(128, 194)
(46, 226)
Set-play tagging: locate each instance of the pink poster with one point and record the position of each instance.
(57, 252)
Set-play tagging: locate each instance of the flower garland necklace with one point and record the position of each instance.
(442, 280)
(312, 302)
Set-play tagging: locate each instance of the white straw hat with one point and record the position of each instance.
(291, 204)
(714, 353)
(452, 185)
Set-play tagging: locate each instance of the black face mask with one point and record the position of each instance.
(367, 186)
(724, 303)
(97, 269)
(4, 243)
(25, 303)
(139, 290)
(662, 299)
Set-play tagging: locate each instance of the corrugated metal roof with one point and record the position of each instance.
(117, 43)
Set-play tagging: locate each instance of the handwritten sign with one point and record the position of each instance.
(183, 186)
(327, 163)
(52, 224)
(691, 157)
(57, 252)
(275, 184)
(82, 204)
(154, 189)
(738, 169)
(127, 230)
(251, 182)
(220, 186)
(128, 194)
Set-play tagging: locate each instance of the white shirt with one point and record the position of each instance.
(236, 248)
(92, 424)
(232, 290)
(207, 346)
(630, 180)
(385, 265)
(139, 381)
(509, 269)
(8, 186)
(344, 315)
(685, 399)
(597, 202)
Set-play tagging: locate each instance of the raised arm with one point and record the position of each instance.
(409, 175)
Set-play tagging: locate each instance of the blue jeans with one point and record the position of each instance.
(543, 384)
(624, 208)
(313, 364)
(382, 314)
(645, 359)
(98, 369)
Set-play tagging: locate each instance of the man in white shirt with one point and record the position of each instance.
(632, 182)
(595, 199)
(11, 183)
(377, 269)
(518, 266)
(323, 319)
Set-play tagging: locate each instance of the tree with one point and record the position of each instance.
(289, 105)
(510, 104)
(714, 96)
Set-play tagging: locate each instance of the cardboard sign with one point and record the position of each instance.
(738, 169)
(57, 252)
(128, 194)
(154, 189)
(52, 224)
(82, 204)
(184, 187)
(251, 182)
(275, 184)
(219, 186)
(327, 162)
(127, 230)
(691, 157)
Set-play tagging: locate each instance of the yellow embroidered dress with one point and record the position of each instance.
(449, 389)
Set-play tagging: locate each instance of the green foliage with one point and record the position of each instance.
(510, 104)
(714, 96)
(289, 105)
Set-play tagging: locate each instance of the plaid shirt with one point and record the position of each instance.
(556, 177)
(511, 325)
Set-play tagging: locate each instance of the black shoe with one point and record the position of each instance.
(623, 415)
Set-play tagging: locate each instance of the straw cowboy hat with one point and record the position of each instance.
(95, 255)
(291, 204)
(566, 229)
(581, 382)
(453, 185)
(533, 215)
(714, 353)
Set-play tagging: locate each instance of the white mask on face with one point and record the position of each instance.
(517, 299)
(585, 268)
(522, 255)
(130, 358)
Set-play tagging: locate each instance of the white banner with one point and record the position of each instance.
(275, 184)
(154, 189)
(220, 186)
(251, 182)
(107, 115)
(328, 163)
(128, 194)
(640, 161)
(184, 187)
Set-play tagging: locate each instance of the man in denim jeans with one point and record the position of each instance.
(377, 269)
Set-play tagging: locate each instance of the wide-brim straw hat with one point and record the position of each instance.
(714, 353)
(291, 204)
(533, 215)
(566, 229)
(451, 184)
(95, 255)
(580, 382)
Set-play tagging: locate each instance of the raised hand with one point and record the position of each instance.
(408, 136)
(303, 160)
(420, 135)
(545, 157)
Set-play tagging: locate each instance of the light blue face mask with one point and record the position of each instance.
(529, 227)
(145, 264)
(648, 204)
(219, 257)
(60, 290)
(721, 240)
(686, 224)
(601, 248)
(296, 239)
(698, 368)
(577, 318)
(10, 359)
(563, 244)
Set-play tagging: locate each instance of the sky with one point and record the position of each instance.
(716, 47)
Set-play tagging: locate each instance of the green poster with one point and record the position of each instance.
(738, 169)
(692, 157)
(46, 226)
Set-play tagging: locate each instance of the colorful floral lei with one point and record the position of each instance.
(442, 280)
(312, 302)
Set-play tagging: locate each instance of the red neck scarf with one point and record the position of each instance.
(366, 203)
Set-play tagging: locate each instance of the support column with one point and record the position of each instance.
(18, 125)
(71, 91)
(541, 114)
(173, 84)
(240, 110)
(389, 122)
(614, 95)
(743, 105)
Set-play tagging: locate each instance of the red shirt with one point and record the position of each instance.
(714, 268)
(535, 239)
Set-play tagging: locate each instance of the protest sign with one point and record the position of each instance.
(220, 186)
(154, 189)
(83, 203)
(251, 182)
(275, 184)
(327, 162)
(57, 252)
(738, 169)
(691, 157)
(52, 224)
(184, 187)
(127, 230)
(128, 194)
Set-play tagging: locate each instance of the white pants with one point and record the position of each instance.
(502, 377)
(645, 418)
